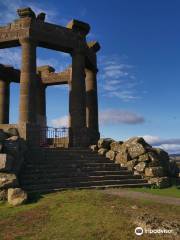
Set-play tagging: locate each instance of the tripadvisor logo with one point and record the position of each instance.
(139, 231)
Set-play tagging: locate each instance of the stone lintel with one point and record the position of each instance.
(8, 73)
(79, 26)
(45, 69)
(52, 78)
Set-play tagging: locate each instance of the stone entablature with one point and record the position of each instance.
(29, 32)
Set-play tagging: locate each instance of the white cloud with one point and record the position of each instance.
(171, 145)
(108, 116)
(116, 116)
(11, 56)
(117, 79)
(60, 122)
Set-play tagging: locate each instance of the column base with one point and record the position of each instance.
(83, 137)
(94, 136)
(30, 133)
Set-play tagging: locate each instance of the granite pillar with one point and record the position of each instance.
(4, 101)
(77, 101)
(27, 107)
(92, 105)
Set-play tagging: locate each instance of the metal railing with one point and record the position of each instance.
(54, 137)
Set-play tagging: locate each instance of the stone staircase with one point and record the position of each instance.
(71, 168)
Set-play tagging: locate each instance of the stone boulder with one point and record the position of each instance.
(13, 132)
(173, 169)
(12, 145)
(6, 162)
(94, 148)
(111, 155)
(154, 172)
(144, 158)
(163, 158)
(105, 143)
(102, 151)
(3, 195)
(140, 167)
(122, 157)
(16, 196)
(8, 180)
(131, 164)
(136, 146)
(160, 182)
(116, 146)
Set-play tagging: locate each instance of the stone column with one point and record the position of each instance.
(27, 111)
(92, 105)
(41, 105)
(78, 134)
(77, 101)
(4, 101)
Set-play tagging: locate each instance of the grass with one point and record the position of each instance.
(173, 191)
(79, 215)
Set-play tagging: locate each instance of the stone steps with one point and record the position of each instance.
(59, 179)
(50, 190)
(64, 169)
(59, 185)
(57, 174)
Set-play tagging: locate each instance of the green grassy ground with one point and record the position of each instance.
(79, 215)
(169, 192)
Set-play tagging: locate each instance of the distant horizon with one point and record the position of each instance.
(138, 78)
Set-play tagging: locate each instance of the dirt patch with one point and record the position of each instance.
(23, 224)
(145, 196)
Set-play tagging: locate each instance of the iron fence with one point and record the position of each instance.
(54, 137)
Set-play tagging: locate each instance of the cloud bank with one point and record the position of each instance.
(171, 145)
(108, 116)
(118, 79)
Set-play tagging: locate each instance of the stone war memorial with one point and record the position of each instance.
(36, 158)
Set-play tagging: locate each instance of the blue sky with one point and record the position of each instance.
(138, 79)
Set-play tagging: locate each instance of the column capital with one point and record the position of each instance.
(28, 40)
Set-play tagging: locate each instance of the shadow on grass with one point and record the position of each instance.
(34, 198)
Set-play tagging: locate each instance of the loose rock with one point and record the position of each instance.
(8, 180)
(16, 196)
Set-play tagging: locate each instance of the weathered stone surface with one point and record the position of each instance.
(3, 195)
(116, 146)
(144, 158)
(122, 157)
(3, 135)
(12, 146)
(8, 180)
(174, 170)
(105, 143)
(130, 164)
(1, 147)
(13, 132)
(136, 147)
(111, 155)
(140, 167)
(6, 162)
(16, 196)
(154, 172)
(161, 182)
(135, 150)
(93, 147)
(102, 151)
